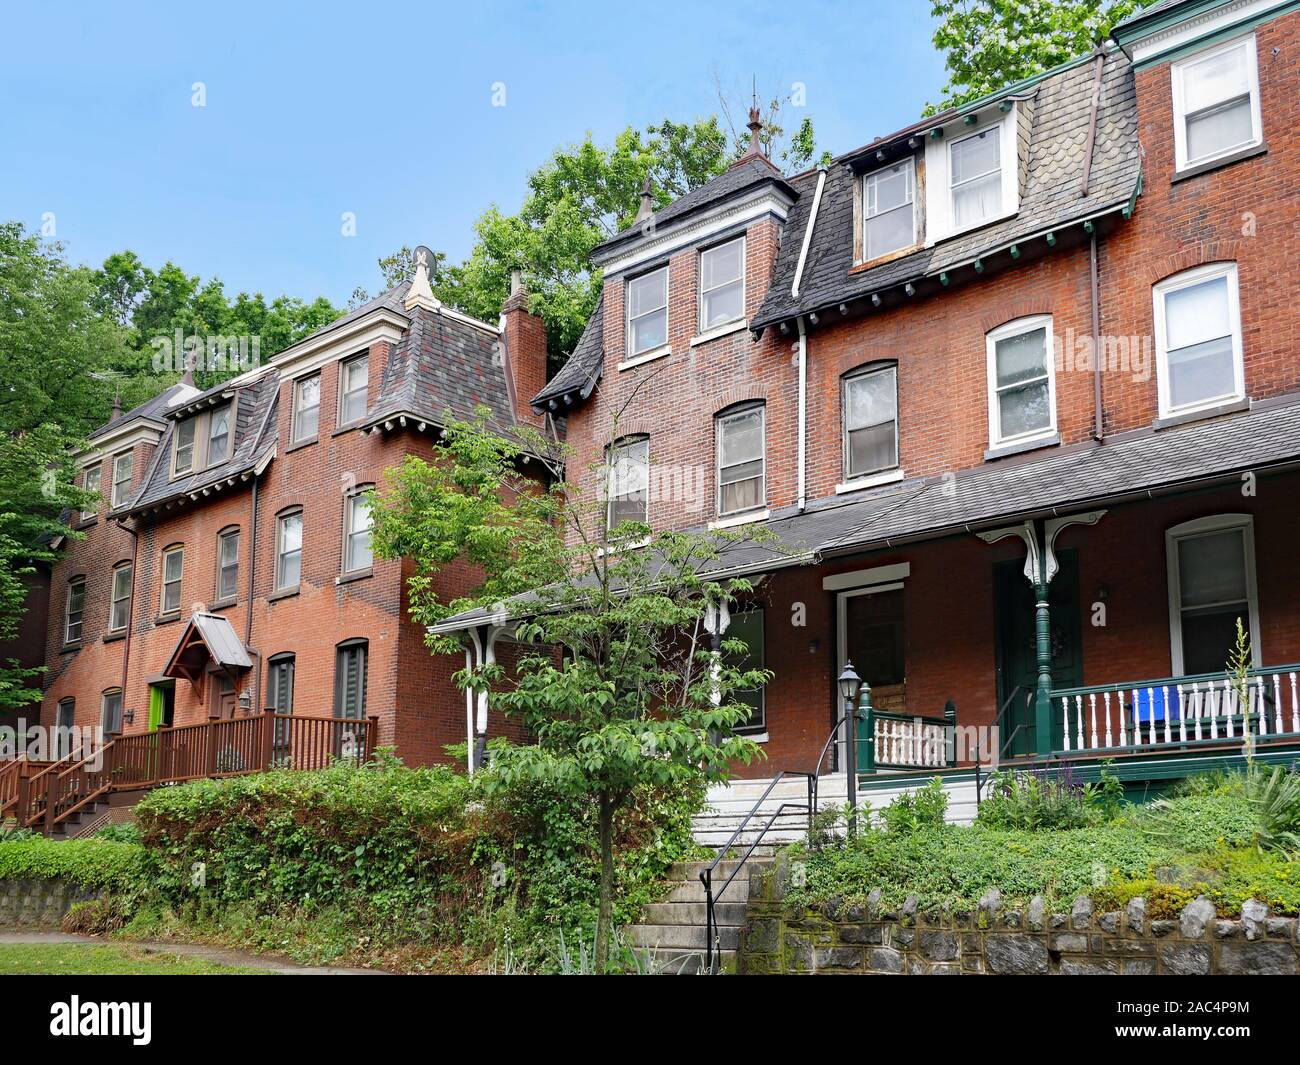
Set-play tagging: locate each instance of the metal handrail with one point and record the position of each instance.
(711, 957)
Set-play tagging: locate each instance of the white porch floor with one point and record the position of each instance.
(728, 804)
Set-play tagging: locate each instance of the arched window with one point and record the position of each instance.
(173, 566)
(627, 472)
(357, 521)
(1211, 575)
(288, 550)
(741, 459)
(119, 609)
(111, 712)
(350, 679)
(74, 611)
(228, 564)
(1022, 386)
(870, 411)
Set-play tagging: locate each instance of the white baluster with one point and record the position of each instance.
(1078, 717)
(1105, 698)
(1230, 706)
(1065, 720)
(1279, 728)
(1214, 696)
(1151, 715)
(1259, 705)
(1164, 695)
(1295, 706)
(1092, 705)
(1182, 713)
(1137, 718)
(1123, 725)
(1198, 705)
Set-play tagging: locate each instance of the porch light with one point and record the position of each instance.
(850, 684)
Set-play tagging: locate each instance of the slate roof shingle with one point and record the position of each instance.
(583, 368)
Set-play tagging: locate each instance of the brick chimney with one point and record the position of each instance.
(524, 337)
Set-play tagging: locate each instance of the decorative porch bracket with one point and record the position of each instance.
(1041, 565)
(479, 651)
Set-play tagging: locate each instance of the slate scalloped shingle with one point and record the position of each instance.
(583, 368)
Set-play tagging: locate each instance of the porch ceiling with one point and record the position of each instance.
(1134, 465)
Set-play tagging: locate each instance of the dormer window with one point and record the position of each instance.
(889, 210)
(722, 284)
(183, 456)
(1216, 104)
(975, 179)
(219, 436)
(647, 312)
(201, 440)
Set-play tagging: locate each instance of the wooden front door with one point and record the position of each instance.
(223, 697)
(1013, 598)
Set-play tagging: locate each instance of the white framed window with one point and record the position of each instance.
(722, 284)
(1216, 103)
(219, 435)
(173, 564)
(306, 408)
(1198, 340)
(119, 609)
(91, 483)
(870, 410)
(123, 468)
(971, 178)
(975, 178)
(889, 209)
(647, 312)
(1211, 576)
(111, 712)
(354, 380)
(742, 467)
(288, 551)
(356, 532)
(183, 447)
(74, 611)
(1022, 386)
(628, 482)
(227, 564)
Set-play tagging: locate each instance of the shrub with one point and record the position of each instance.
(1035, 801)
(91, 863)
(913, 811)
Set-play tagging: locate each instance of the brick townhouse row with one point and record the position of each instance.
(1014, 387)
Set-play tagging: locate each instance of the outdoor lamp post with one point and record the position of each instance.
(850, 684)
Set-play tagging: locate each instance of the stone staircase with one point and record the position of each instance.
(673, 932)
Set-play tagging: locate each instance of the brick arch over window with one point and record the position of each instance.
(1028, 307)
(628, 428)
(1201, 254)
(722, 402)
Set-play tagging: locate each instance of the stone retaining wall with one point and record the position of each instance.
(39, 903)
(836, 938)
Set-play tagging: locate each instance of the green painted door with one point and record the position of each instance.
(156, 704)
(1013, 598)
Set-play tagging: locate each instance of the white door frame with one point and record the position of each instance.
(841, 647)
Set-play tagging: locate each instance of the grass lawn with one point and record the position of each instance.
(74, 959)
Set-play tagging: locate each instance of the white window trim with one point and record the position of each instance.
(98, 467)
(718, 420)
(1177, 71)
(349, 530)
(1009, 329)
(1184, 280)
(607, 471)
(741, 517)
(67, 612)
(163, 609)
(176, 471)
(887, 473)
(344, 366)
(278, 575)
(121, 456)
(720, 331)
(208, 459)
(938, 176)
(113, 600)
(744, 288)
(1199, 527)
(635, 358)
(294, 438)
(916, 210)
(646, 356)
(222, 537)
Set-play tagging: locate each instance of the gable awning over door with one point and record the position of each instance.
(206, 639)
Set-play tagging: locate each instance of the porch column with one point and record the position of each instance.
(1041, 566)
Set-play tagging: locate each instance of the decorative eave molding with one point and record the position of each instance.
(136, 431)
(764, 200)
(304, 358)
(1167, 38)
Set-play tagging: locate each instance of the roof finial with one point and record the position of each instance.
(755, 125)
(647, 207)
(420, 294)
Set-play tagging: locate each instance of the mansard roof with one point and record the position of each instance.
(578, 376)
(153, 410)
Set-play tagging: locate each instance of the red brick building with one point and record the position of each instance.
(229, 567)
(1015, 386)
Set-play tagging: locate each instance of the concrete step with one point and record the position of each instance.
(690, 963)
(727, 914)
(692, 870)
(680, 937)
(688, 892)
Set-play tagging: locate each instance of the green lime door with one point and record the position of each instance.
(162, 704)
(1013, 599)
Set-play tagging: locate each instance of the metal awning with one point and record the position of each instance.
(206, 638)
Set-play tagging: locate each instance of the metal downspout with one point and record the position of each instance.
(803, 412)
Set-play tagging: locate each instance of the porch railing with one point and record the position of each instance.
(908, 741)
(1179, 711)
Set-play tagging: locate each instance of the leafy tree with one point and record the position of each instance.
(990, 44)
(637, 696)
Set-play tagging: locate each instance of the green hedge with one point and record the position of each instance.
(92, 863)
(955, 865)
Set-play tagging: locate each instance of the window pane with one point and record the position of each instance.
(307, 415)
(747, 625)
(1197, 313)
(359, 523)
(172, 565)
(889, 189)
(721, 265)
(354, 389)
(229, 548)
(647, 293)
(977, 201)
(185, 445)
(742, 437)
(723, 305)
(1209, 638)
(291, 533)
(890, 231)
(742, 495)
(290, 551)
(1022, 358)
(1212, 569)
(650, 332)
(628, 480)
(1024, 409)
(219, 436)
(1215, 79)
(975, 156)
(872, 449)
(871, 399)
(1219, 129)
(1202, 372)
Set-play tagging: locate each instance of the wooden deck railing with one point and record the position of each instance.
(1179, 711)
(173, 755)
(906, 741)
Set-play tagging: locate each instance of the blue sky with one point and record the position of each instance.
(386, 112)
